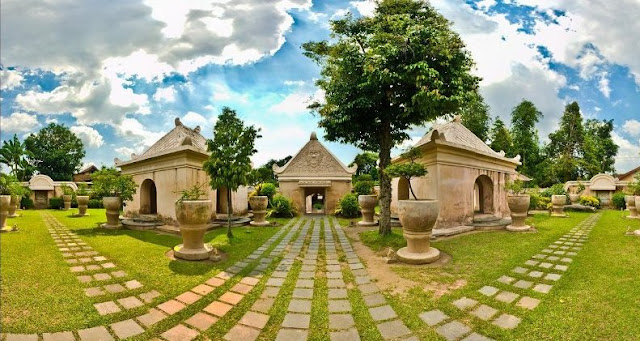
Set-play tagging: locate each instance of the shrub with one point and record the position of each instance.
(348, 206)
(56, 203)
(538, 202)
(268, 190)
(26, 203)
(557, 189)
(108, 182)
(618, 201)
(363, 187)
(281, 206)
(95, 203)
(74, 202)
(589, 200)
(364, 177)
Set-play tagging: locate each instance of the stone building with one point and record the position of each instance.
(603, 186)
(85, 174)
(44, 188)
(173, 164)
(465, 175)
(315, 177)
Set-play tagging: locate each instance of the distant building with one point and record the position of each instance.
(603, 186)
(85, 174)
(43, 188)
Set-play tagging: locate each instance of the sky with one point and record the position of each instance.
(118, 72)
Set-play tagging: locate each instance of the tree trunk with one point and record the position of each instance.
(385, 181)
(229, 212)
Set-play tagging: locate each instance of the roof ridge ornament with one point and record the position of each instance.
(177, 122)
(313, 137)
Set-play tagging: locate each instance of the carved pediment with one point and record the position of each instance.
(314, 160)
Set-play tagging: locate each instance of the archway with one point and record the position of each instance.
(403, 189)
(483, 195)
(315, 200)
(148, 197)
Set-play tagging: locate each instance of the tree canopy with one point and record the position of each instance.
(501, 138)
(524, 134)
(367, 164)
(475, 116)
(55, 151)
(403, 66)
(15, 155)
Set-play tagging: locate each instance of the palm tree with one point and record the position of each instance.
(15, 155)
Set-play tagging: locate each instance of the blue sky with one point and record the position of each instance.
(119, 72)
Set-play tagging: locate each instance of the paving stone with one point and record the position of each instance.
(180, 333)
(292, 335)
(126, 328)
(301, 306)
(97, 258)
(95, 334)
(119, 274)
(241, 288)
(93, 267)
(231, 298)
(242, 333)
(484, 312)
(22, 337)
(201, 321)
(528, 303)
(149, 296)
(542, 288)
(531, 262)
(433, 317)
(255, 320)
(506, 296)
(335, 275)
(101, 276)
(553, 258)
(307, 274)
(523, 284)
(561, 267)
(520, 270)
(107, 265)
(61, 336)
(369, 288)
(552, 277)
(341, 321)
(507, 321)
(453, 330)
(361, 272)
(78, 268)
(133, 284)
(539, 256)
(374, 300)
(566, 260)
(202, 289)
(393, 329)
(218, 308)
(333, 268)
(224, 275)
(476, 337)
(92, 292)
(382, 313)
(336, 283)
(536, 274)
(464, 303)
(271, 292)
(106, 308)
(345, 335)
(304, 283)
(249, 281)
(488, 290)
(302, 293)
(152, 317)
(279, 274)
(171, 307)
(130, 302)
(114, 288)
(337, 293)
(215, 282)
(263, 305)
(545, 265)
(300, 321)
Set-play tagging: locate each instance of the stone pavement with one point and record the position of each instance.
(521, 290)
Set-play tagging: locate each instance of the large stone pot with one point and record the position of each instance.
(574, 197)
(368, 208)
(518, 205)
(83, 202)
(5, 201)
(637, 202)
(417, 218)
(13, 206)
(259, 206)
(630, 201)
(112, 205)
(558, 202)
(67, 201)
(193, 216)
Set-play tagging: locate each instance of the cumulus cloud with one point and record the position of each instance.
(628, 154)
(10, 79)
(19, 122)
(297, 102)
(167, 94)
(632, 127)
(132, 130)
(89, 136)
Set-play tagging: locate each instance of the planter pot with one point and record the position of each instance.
(558, 202)
(417, 218)
(193, 216)
(630, 201)
(637, 202)
(13, 206)
(5, 201)
(574, 198)
(83, 202)
(112, 205)
(259, 206)
(367, 207)
(67, 202)
(518, 205)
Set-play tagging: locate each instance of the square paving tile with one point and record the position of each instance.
(114, 288)
(336, 283)
(93, 267)
(520, 270)
(507, 321)
(92, 292)
(300, 321)
(180, 333)
(152, 317)
(242, 333)
(218, 308)
(304, 283)
(130, 302)
(300, 306)
(484, 312)
(224, 275)
(271, 292)
(101, 276)
(552, 277)
(393, 329)
(188, 297)
(171, 307)
(106, 308)
(303, 293)
(241, 288)
(374, 300)
(149, 296)
(532, 262)
(536, 274)
(506, 296)
(231, 298)
(528, 303)
(488, 290)
(263, 305)
(126, 328)
(95, 334)
(369, 288)
(433, 317)
(201, 321)
(341, 321)
(21, 337)
(119, 274)
(345, 335)
(255, 320)
(543, 288)
(133, 284)
(523, 284)
(453, 330)
(249, 281)
(545, 265)
(202, 289)
(337, 293)
(215, 282)
(292, 335)
(382, 313)
(339, 306)
(464, 303)
(476, 337)
(61, 336)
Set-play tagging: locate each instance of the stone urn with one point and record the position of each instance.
(67, 201)
(5, 201)
(367, 207)
(518, 205)
(630, 201)
(83, 202)
(417, 218)
(193, 216)
(112, 205)
(259, 206)
(637, 202)
(558, 202)
(574, 197)
(13, 206)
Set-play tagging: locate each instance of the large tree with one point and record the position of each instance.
(525, 136)
(367, 164)
(565, 147)
(599, 149)
(475, 116)
(501, 138)
(403, 66)
(14, 154)
(229, 165)
(55, 151)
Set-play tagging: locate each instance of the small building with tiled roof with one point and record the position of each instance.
(314, 178)
(465, 175)
(172, 164)
(603, 186)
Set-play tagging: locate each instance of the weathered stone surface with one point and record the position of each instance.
(133, 284)
(218, 308)
(488, 290)
(242, 333)
(22, 337)
(106, 308)
(484, 312)
(300, 321)
(203, 289)
(507, 321)
(61, 336)
(552, 277)
(523, 284)
(393, 329)
(542, 288)
(528, 303)
(337, 293)
(374, 300)
(152, 317)
(345, 335)
(215, 282)
(453, 330)
(292, 335)
(130, 302)
(171, 307)
(476, 337)
(433, 317)
(382, 313)
(188, 297)
(300, 306)
(95, 334)
(149, 296)
(126, 328)
(201, 321)
(231, 298)
(506, 296)
(302, 293)
(464, 303)
(180, 333)
(341, 321)
(263, 305)
(255, 320)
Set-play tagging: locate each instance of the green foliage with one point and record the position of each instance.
(383, 74)
(15, 155)
(281, 206)
(26, 203)
(108, 182)
(56, 203)
(55, 151)
(268, 190)
(95, 203)
(367, 165)
(348, 206)
(599, 149)
(618, 200)
(195, 192)
(525, 137)
(589, 200)
(515, 187)
(581, 188)
(16, 188)
(318, 206)
(565, 148)
(363, 187)
(407, 170)
(6, 181)
(501, 138)
(633, 188)
(538, 202)
(66, 190)
(229, 164)
(557, 189)
(475, 115)
(83, 190)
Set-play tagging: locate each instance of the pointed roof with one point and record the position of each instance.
(314, 160)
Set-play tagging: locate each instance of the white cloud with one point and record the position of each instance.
(89, 136)
(19, 122)
(132, 130)
(167, 94)
(193, 119)
(126, 151)
(603, 85)
(365, 7)
(628, 154)
(297, 102)
(632, 127)
(10, 79)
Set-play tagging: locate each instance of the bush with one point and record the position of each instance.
(268, 189)
(26, 203)
(364, 177)
(538, 202)
(588, 200)
(348, 206)
(95, 203)
(56, 203)
(74, 202)
(557, 189)
(618, 201)
(282, 206)
(363, 188)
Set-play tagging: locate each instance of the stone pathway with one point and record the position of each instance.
(524, 287)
